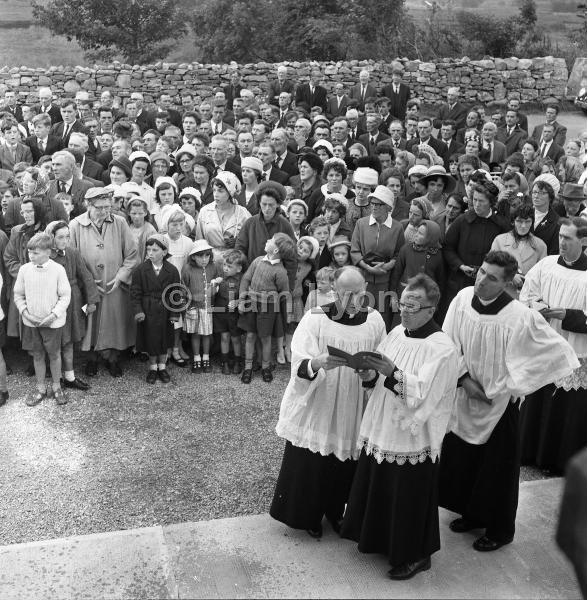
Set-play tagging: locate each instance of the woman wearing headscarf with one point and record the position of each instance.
(220, 222)
(35, 184)
(419, 211)
(110, 252)
(423, 255)
(470, 237)
(521, 243)
(252, 173)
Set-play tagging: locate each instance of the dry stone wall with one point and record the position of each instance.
(484, 81)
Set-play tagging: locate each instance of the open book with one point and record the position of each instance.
(356, 361)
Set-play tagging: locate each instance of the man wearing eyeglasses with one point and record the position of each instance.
(414, 384)
(506, 351)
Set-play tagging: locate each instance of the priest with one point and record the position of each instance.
(393, 505)
(506, 351)
(556, 416)
(322, 408)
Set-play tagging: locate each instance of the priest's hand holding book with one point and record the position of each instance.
(382, 364)
(327, 361)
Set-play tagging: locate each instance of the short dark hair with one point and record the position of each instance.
(123, 129)
(194, 115)
(273, 189)
(554, 106)
(421, 281)
(235, 257)
(500, 258)
(579, 222)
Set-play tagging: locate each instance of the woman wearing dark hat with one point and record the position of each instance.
(439, 184)
(203, 170)
(308, 181)
(109, 251)
(470, 237)
(120, 170)
(151, 282)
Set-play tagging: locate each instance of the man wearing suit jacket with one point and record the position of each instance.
(11, 150)
(425, 137)
(219, 154)
(47, 107)
(373, 135)
(217, 122)
(90, 168)
(514, 104)
(337, 104)
(69, 124)
(282, 84)
(383, 105)
(65, 181)
(164, 105)
(398, 93)
(512, 135)
(10, 105)
(284, 102)
(42, 143)
(363, 90)
(493, 152)
(339, 133)
(560, 131)
(233, 89)
(284, 159)
(453, 110)
(144, 119)
(548, 146)
(396, 132)
(448, 130)
(311, 93)
(266, 153)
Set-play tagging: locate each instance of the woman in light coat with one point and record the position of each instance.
(110, 253)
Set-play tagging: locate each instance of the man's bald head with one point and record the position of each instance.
(349, 285)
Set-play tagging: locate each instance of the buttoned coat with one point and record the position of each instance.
(108, 256)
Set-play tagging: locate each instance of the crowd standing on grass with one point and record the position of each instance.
(297, 226)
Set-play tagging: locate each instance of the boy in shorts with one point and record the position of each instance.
(41, 295)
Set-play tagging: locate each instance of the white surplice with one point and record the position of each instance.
(409, 423)
(510, 354)
(324, 414)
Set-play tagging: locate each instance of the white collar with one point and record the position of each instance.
(272, 261)
(387, 221)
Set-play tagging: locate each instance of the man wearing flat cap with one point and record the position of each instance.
(572, 201)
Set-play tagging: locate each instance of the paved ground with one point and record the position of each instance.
(256, 557)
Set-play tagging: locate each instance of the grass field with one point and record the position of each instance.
(35, 47)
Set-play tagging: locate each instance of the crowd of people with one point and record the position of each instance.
(263, 228)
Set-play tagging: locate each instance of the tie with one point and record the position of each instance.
(509, 131)
(65, 131)
(395, 89)
(490, 152)
(543, 151)
(61, 186)
(372, 141)
(396, 144)
(42, 145)
(352, 136)
(311, 90)
(363, 93)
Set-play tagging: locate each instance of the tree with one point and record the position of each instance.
(138, 30)
(495, 36)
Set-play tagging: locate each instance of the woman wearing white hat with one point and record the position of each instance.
(219, 222)
(252, 173)
(185, 157)
(376, 242)
(365, 181)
